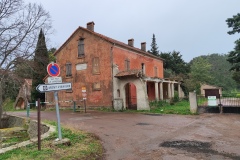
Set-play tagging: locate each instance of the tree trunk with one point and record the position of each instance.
(1, 105)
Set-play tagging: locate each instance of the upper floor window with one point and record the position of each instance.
(95, 65)
(68, 69)
(81, 47)
(143, 68)
(127, 64)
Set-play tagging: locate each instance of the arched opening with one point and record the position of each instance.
(20, 103)
(131, 96)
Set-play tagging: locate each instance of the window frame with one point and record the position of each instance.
(81, 51)
(127, 64)
(96, 65)
(68, 69)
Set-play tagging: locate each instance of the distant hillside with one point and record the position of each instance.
(222, 77)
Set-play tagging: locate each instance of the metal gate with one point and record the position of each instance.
(228, 103)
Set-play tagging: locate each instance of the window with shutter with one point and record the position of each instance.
(95, 65)
(81, 47)
(68, 69)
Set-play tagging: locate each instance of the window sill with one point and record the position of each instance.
(69, 77)
(96, 73)
(81, 57)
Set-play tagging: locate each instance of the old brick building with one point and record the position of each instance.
(115, 74)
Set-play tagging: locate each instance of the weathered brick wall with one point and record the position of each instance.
(136, 59)
(94, 47)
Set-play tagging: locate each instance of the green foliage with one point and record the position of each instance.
(10, 87)
(200, 74)
(218, 67)
(154, 48)
(8, 105)
(176, 97)
(24, 70)
(41, 60)
(83, 146)
(234, 56)
(238, 95)
(174, 62)
(181, 107)
(52, 58)
(158, 103)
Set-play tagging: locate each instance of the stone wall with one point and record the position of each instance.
(33, 129)
(12, 121)
(31, 126)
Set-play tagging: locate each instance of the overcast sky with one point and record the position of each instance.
(192, 27)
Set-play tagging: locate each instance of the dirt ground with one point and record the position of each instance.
(128, 136)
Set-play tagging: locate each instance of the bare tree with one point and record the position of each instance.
(20, 24)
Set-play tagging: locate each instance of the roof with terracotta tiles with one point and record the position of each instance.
(134, 72)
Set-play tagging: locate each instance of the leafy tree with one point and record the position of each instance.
(173, 61)
(154, 48)
(200, 74)
(234, 56)
(41, 60)
(19, 27)
(220, 67)
(52, 58)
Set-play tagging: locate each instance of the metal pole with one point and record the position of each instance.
(39, 125)
(74, 106)
(84, 101)
(58, 115)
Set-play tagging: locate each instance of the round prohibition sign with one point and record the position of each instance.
(53, 69)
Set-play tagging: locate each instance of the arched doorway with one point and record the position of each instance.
(131, 96)
(20, 103)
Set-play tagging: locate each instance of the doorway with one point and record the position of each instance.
(131, 96)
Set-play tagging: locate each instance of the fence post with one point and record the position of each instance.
(74, 106)
(193, 102)
(28, 108)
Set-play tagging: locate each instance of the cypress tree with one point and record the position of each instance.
(154, 48)
(41, 60)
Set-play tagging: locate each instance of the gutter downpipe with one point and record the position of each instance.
(111, 55)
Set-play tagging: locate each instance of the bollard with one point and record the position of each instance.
(74, 106)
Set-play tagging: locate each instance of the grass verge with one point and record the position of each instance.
(181, 107)
(83, 146)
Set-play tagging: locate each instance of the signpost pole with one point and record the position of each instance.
(39, 124)
(84, 100)
(28, 108)
(58, 116)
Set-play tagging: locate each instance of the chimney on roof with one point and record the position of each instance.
(90, 26)
(143, 46)
(131, 42)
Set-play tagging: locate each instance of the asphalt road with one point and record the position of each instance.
(131, 136)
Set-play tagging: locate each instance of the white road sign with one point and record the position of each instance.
(52, 80)
(53, 87)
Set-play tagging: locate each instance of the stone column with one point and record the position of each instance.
(193, 102)
(156, 91)
(161, 90)
(179, 91)
(169, 90)
(172, 87)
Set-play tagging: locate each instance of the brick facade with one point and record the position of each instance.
(105, 67)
